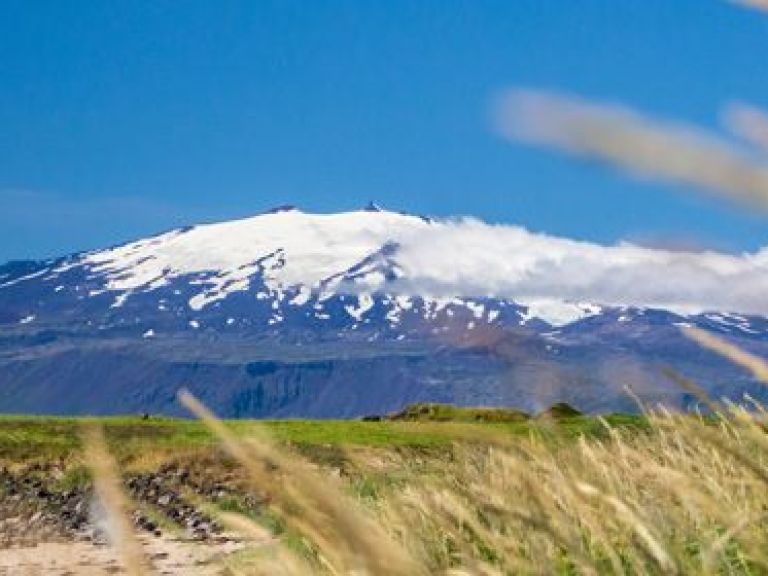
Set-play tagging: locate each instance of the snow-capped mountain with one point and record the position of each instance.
(289, 313)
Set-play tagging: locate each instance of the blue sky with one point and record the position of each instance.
(119, 119)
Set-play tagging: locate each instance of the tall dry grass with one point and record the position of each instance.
(687, 495)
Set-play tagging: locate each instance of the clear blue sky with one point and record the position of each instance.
(118, 119)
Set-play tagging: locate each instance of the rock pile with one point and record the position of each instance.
(154, 489)
(30, 508)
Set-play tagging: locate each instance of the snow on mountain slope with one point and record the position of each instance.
(379, 251)
(289, 247)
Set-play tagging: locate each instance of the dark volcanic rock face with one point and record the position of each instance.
(265, 377)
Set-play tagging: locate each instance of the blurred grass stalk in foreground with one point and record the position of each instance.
(621, 137)
(755, 4)
(348, 539)
(112, 500)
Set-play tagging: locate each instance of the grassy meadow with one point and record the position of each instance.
(440, 490)
(25, 439)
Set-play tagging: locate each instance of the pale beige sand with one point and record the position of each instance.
(168, 556)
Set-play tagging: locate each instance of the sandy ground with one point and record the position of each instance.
(168, 556)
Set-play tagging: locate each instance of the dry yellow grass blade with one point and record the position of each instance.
(690, 386)
(755, 4)
(108, 488)
(245, 527)
(274, 559)
(748, 122)
(347, 539)
(650, 542)
(621, 137)
(757, 366)
(717, 548)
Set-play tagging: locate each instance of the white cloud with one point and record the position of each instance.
(471, 258)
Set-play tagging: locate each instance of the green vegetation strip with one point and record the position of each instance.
(31, 437)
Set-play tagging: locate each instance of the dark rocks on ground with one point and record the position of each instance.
(34, 506)
(31, 507)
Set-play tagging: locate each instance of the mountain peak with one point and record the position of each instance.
(281, 208)
(372, 207)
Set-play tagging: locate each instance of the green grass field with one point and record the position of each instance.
(27, 438)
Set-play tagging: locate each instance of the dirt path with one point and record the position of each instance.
(168, 556)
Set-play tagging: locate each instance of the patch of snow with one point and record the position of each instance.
(302, 297)
(24, 278)
(746, 329)
(433, 306)
(398, 304)
(477, 309)
(732, 321)
(558, 312)
(120, 299)
(364, 303)
(404, 302)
